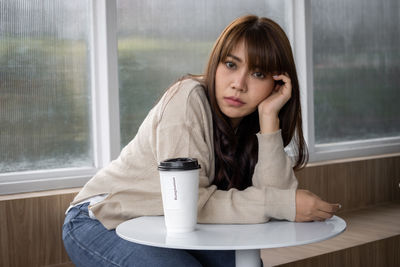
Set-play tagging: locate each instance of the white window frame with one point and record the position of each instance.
(105, 105)
(105, 110)
(302, 46)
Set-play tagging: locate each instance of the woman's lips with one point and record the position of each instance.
(233, 101)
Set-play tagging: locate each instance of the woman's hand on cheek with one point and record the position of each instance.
(269, 108)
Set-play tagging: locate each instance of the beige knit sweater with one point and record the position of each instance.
(180, 125)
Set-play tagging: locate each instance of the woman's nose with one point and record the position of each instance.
(240, 82)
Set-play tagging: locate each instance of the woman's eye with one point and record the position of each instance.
(230, 65)
(259, 75)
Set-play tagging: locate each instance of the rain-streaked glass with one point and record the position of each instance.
(159, 41)
(356, 54)
(44, 85)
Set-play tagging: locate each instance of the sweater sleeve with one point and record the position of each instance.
(274, 167)
(185, 131)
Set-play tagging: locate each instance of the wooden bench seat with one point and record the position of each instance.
(371, 239)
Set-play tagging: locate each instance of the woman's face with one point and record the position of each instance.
(239, 90)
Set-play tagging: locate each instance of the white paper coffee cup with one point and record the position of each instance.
(179, 178)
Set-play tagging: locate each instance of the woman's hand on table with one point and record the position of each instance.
(309, 207)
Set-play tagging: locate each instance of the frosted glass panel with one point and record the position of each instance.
(44, 85)
(160, 41)
(356, 53)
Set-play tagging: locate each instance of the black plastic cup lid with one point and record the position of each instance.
(179, 164)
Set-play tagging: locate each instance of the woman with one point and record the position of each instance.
(236, 120)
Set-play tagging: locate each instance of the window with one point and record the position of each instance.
(356, 66)
(352, 80)
(78, 77)
(45, 98)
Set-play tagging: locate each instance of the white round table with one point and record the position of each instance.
(245, 239)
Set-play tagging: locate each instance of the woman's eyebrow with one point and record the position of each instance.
(235, 58)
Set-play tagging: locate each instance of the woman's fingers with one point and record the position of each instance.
(285, 87)
(318, 215)
(284, 77)
(326, 210)
(310, 207)
(331, 208)
(322, 215)
(278, 98)
(268, 108)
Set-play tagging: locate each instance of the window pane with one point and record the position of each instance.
(356, 69)
(44, 85)
(159, 41)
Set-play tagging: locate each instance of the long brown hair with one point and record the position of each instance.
(236, 153)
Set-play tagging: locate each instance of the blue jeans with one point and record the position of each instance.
(89, 243)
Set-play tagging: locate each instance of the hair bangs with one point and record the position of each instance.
(230, 43)
(262, 54)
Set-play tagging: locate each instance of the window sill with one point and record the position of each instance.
(40, 193)
(353, 159)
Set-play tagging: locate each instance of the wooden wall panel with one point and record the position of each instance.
(355, 184)
(31, 231)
